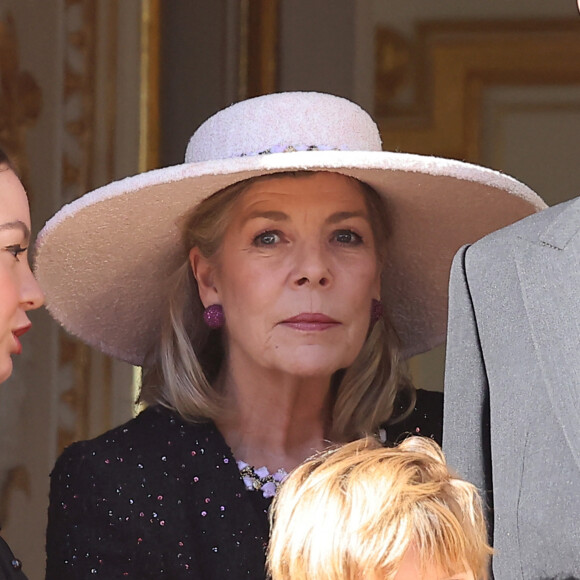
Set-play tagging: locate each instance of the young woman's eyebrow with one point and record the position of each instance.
(16, 225)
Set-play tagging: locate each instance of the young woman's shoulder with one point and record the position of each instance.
(10, 566)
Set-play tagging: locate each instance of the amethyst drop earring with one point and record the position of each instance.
(376, 310)
(214, 316)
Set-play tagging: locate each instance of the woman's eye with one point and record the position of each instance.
(347, 237)
(267, 239)
(16, 250)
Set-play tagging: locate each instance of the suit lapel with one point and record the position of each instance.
(549, 273)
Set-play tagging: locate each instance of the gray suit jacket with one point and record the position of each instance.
(512, 389)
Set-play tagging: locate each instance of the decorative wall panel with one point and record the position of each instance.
(447, 68)
(489, 92)
(69, 95)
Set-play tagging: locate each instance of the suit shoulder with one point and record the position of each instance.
(529, 229)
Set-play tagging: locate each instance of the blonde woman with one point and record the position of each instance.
(366, 511)
(271, 288)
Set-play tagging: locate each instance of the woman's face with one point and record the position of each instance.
(19, 291)
(296, 274)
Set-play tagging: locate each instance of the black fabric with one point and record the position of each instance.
(10, 567)
(157, 497)
(426, 418)
(160, 497)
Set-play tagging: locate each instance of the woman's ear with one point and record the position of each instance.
(204, 272)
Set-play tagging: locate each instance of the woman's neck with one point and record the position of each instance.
(274, 420)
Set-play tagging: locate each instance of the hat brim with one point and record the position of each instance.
(103, 260)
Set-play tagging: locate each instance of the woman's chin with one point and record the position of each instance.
(5, 367)
(316, 363)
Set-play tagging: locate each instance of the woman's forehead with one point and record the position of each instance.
(13, 200)
(320, 188)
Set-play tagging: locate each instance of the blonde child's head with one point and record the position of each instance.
(363, 511)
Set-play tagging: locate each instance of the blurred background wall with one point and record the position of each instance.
(94, 90)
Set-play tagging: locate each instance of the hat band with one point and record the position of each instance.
(292, 149)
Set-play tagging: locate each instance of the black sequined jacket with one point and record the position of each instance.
(159, 497)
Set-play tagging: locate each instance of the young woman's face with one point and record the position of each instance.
(19, 291)
(296, 274)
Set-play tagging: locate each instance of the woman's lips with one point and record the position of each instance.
(310, 321)
(17, 333)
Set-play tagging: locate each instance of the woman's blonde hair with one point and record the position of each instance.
(185, 361)
(353, 512)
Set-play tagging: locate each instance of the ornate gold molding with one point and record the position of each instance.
(20, 97)
(447, 68)
(78, 107)
(259, 31)
(149, 113)
(78, 97)
(75, 361)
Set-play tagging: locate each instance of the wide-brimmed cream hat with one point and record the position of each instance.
(104, 260)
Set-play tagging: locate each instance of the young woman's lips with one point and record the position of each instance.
(311, 321)
(18, 333)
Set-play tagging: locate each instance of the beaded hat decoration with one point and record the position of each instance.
(103, 259)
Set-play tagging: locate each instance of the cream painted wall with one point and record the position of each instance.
(536, 135)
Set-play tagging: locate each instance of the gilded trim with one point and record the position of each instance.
(20, 98)
(77, 178)
(149, 103)
(111, 85)
(259, 32)
(447, 69)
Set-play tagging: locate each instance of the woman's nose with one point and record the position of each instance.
(32, 296)
(312, 267)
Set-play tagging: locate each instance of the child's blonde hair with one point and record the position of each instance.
(352, 513)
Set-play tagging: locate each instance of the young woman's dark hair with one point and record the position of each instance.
(4, 160)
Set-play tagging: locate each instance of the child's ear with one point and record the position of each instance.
(204, 272)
